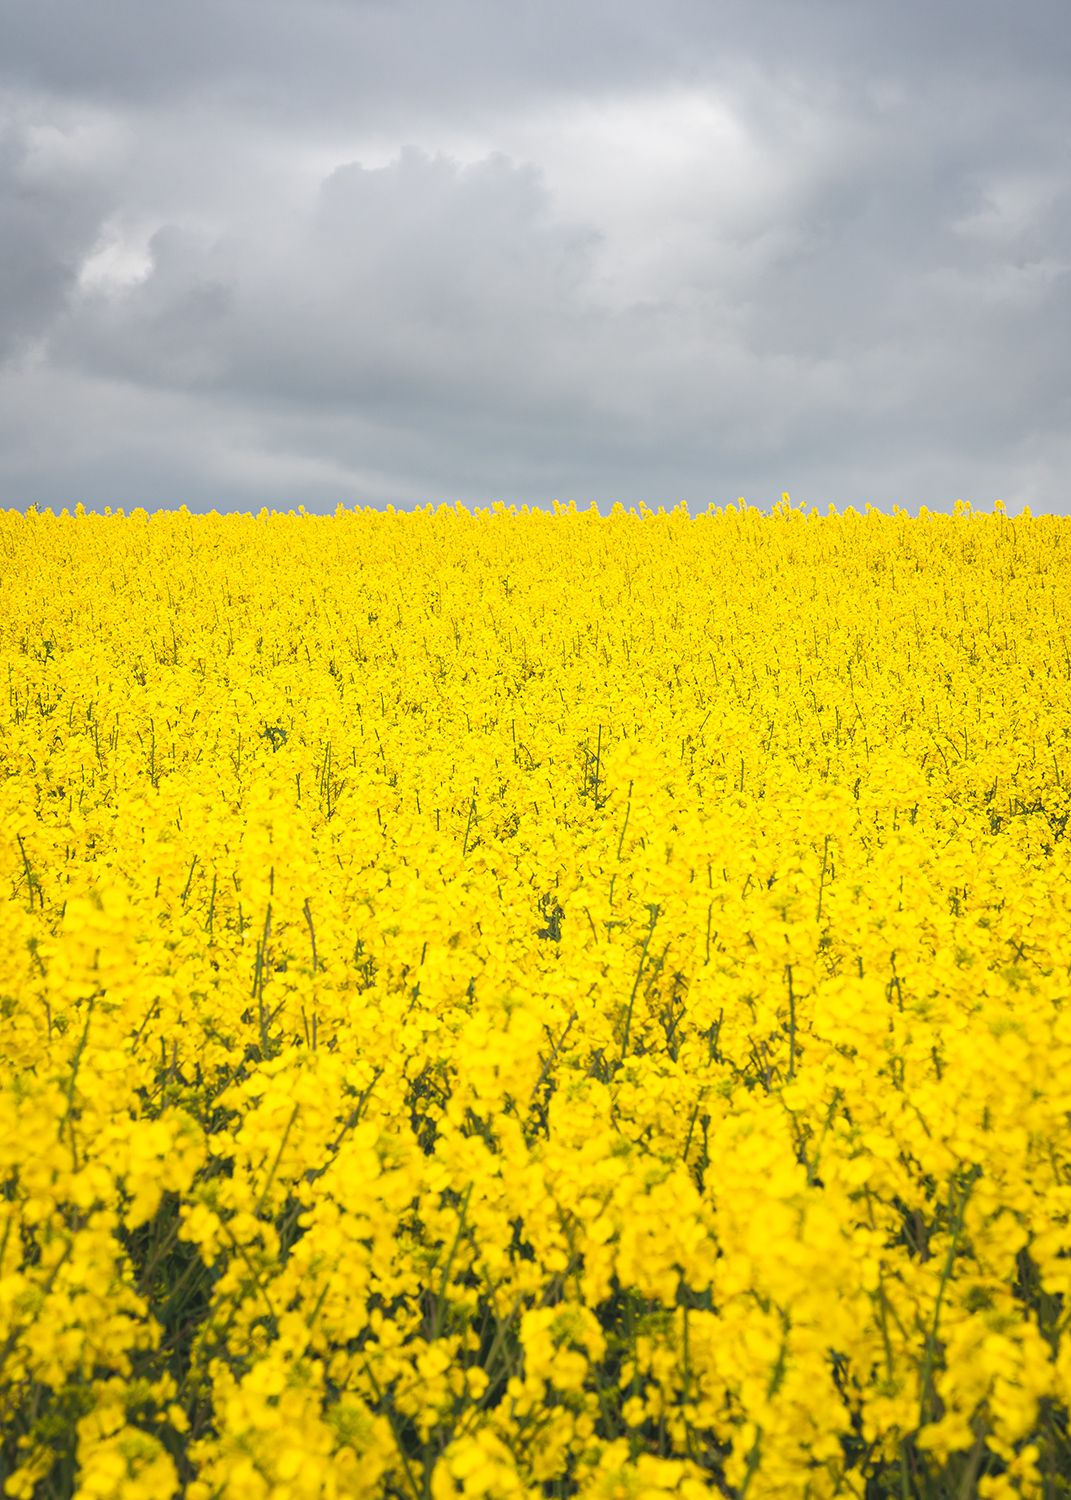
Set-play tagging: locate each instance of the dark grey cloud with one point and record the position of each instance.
(50, 216)
(408, 251)
(357, 59)
(401, 290)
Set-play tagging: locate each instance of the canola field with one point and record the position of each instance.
(515, 1004)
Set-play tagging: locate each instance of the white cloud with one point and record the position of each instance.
(120, 258)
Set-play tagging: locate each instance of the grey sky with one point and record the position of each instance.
(371, 251)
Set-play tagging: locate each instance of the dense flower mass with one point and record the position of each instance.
(513, 1004)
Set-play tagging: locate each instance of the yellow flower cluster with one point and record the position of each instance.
(514, 1004)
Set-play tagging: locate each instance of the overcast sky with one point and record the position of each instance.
(271, 252)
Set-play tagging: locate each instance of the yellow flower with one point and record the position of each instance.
(505, 1000)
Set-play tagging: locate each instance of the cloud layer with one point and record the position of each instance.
(375, 252)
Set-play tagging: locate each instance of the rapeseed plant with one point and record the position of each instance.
(511, 1004)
